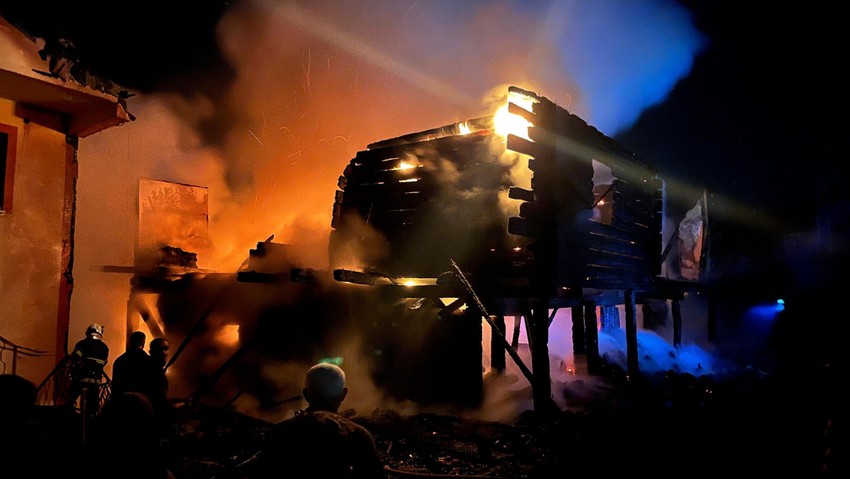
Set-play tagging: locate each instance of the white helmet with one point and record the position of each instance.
(94, 329)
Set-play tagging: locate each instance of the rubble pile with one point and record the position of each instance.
(667, 425)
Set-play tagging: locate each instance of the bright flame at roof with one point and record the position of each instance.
(507, 123)
(405, 165)
(464, 128)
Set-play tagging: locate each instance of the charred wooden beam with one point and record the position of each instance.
(475, 124)
(476, 302)
(362, 277)
(260, 277)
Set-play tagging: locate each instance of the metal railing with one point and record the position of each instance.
(17, 352)
(57, 389)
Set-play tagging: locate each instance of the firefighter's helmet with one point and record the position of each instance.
(95, 329)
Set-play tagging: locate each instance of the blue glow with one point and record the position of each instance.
(767, 311)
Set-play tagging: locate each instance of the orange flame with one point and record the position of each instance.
(507, 123)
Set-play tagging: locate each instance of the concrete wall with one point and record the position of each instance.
(31, 246)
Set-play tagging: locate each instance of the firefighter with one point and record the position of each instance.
(87, 361)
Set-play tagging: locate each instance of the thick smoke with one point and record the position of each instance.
(317, 81)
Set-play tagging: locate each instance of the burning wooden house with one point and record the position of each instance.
(584, 232)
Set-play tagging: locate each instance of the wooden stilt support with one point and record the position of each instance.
(577, 317)
(594, 362)
(476, 303)
(631, 334)
(542, 392)
(497, 352)
(677, 323)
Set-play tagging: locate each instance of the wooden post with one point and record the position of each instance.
(631, 334)
(516, 331)
(497, 351)
(539, 341)
(677, 323)
(577, 318)
(594, 362)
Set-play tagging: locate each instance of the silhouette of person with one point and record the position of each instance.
(131, 371)
(127, 441)
(25, 440)
(158, 351)
(87, 361)
(17, 403)
(318, 441)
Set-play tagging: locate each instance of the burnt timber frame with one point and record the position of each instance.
(567, 259)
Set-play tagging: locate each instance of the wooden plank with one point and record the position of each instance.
(632, 221)
(370, 176)
(401, 216)
(617, 278)
(521, 112)
(633, 204)
(621, 246)
(381, 192)
(623, 232)
(634, 187)
(521, 227)
(636, 207)
(385, 194)
(521, 145)
(612, 281)
(530, 211)
(473, 146)
(608, 259)
(517, 193)
(390, 200)
(481, 124)
(336, 215)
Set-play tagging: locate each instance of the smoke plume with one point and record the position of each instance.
(317, 81)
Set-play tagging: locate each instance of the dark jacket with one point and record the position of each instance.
(88, 359)
(132, 372)
(320, 444)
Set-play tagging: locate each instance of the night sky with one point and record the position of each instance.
(756, 121)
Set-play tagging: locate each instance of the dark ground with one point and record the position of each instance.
(666, 425)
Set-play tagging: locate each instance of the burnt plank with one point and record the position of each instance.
(517, 193)
(364, 175)
(611, 278)
(609, 259)
(636, 187)
(633, 205)
(521, 226)
(369, 191)
(621, 246)
(641, 235)
(521, 145)
(638, 224)
(473, 146)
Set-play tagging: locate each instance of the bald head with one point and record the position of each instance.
(324, 387)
